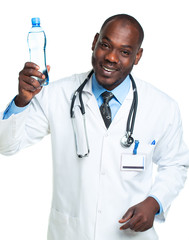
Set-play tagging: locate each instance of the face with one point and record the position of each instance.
(115, 51)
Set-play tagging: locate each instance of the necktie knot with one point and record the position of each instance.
(107, 96)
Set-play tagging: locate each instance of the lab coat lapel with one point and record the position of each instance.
(124, 109)
(91, 103)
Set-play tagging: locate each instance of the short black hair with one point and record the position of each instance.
(129, 20)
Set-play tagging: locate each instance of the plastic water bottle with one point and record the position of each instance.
(37, 47)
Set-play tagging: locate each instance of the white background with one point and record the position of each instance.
(25, 179)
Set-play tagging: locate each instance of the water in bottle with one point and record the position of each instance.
(37, 49)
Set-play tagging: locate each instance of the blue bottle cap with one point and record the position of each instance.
(35, 22)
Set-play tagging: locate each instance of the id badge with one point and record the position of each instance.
(131, 162)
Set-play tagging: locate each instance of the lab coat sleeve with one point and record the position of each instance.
(172, 157)
(23, 129)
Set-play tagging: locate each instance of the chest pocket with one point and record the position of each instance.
(139, 165)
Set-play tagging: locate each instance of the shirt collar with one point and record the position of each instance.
(120, 92)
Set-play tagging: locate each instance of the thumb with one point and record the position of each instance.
(128, 215)
(48, 68)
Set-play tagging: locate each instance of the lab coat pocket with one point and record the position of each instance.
(147, 150)
(63, 226)
(133, 165)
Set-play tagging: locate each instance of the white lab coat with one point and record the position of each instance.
(91, 194)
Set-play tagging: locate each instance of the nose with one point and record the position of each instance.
(112, 57)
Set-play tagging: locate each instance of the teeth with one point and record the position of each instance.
(108, 69)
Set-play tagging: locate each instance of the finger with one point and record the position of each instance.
(31, 65)
(125, 226)
(135, 223)
(127, 216)
(29, 87)
(31, 81)
(141, 227)
(132, 224)
(48, 68)
(31, 72)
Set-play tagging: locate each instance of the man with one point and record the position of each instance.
(108, 194)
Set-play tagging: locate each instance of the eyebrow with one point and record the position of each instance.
(123, 46)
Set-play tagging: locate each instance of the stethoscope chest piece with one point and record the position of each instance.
(126, 142)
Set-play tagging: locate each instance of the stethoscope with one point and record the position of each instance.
(126, 141)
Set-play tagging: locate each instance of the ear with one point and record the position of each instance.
(138, 56)
(95, 41)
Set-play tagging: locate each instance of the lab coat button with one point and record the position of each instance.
(99, 211)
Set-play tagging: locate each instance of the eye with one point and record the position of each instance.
(104, 45)
(125, 53)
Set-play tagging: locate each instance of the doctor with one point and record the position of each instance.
(109, 193)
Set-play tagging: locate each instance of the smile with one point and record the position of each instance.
(108, 69)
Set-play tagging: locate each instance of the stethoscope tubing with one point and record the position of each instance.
(79, 91)
(127, 139)
(133, 109)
